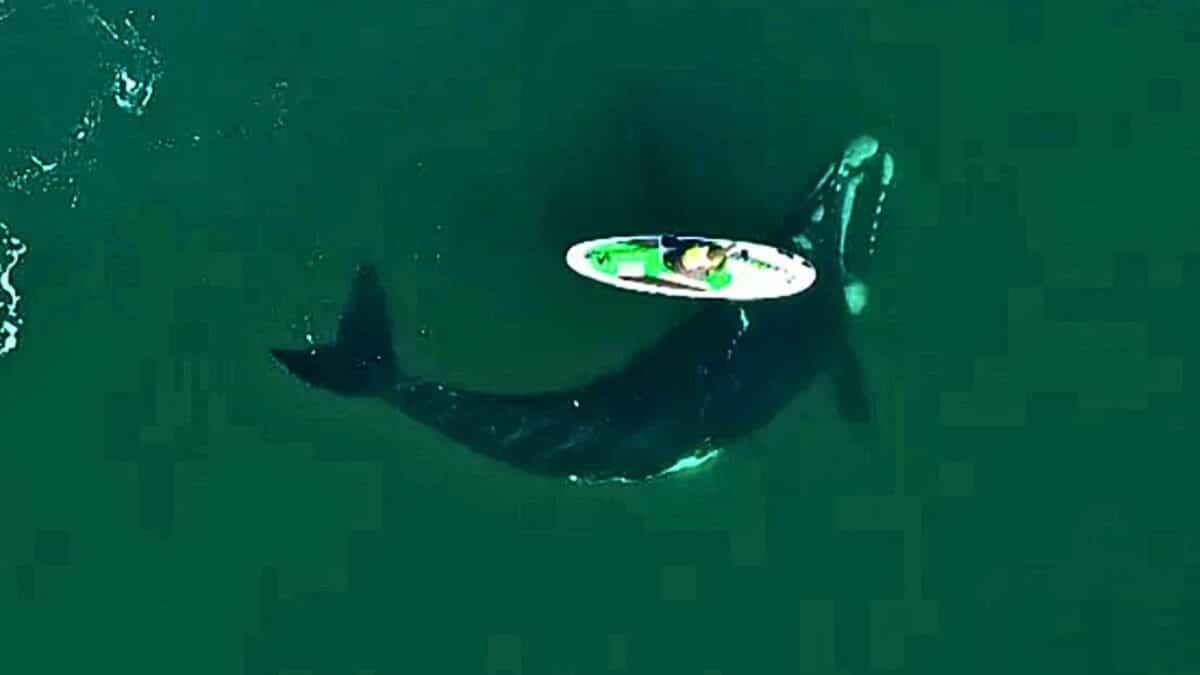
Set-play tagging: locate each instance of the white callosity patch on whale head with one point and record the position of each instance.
(860, 150)
(888, 169)
(836, 214)
(801, 241)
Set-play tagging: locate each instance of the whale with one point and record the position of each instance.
(718, 376)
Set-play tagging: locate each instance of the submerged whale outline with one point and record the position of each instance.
(716, 377)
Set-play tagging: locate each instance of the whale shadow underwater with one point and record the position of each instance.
(718, 376)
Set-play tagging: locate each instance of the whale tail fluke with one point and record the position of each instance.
(361, 361)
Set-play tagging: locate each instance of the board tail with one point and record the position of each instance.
(360, 362)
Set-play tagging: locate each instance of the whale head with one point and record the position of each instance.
(840, 224)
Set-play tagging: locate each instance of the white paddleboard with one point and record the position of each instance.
(755, 271)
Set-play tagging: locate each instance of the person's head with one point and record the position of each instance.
(697, 257)
(703, 257)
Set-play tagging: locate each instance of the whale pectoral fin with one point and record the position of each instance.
(850, 387)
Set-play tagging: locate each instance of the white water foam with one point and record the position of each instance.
(128, 71)
(124, 76)
(11, 251)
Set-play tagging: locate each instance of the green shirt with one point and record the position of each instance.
(719, 278)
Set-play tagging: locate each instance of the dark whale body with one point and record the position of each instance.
(718, 376)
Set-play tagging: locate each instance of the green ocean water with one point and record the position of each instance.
(172, 502)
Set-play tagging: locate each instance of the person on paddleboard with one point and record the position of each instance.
(696, 259)
(691, 262)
